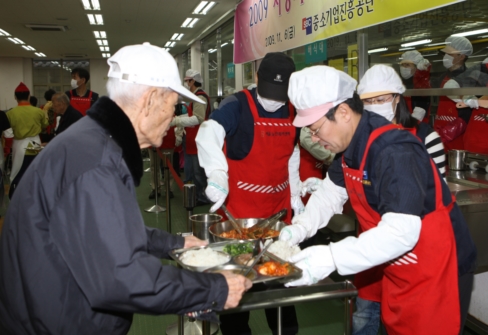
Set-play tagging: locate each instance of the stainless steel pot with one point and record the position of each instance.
(200, 224)
(218, 228)
(457, 159)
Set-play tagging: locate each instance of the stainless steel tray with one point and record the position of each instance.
(295, 272)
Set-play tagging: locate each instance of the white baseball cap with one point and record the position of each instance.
(195, 75)
(316, 89)
(458, 45)
(379, 80)
(146, 64)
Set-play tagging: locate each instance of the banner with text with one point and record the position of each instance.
(263, 26)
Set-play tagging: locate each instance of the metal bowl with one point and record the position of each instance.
(218, 228)
(237, 269)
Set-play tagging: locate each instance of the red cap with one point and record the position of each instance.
(21, 88)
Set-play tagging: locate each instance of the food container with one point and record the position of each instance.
(237, 269)
(180, 255)
(218, 228)
(200, 224)
(457, 159)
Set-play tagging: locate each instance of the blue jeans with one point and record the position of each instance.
(366, 318)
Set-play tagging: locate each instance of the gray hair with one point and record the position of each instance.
(60, 97)
(126, 93)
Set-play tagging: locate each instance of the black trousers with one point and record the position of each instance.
(238, 323)
(25, 164)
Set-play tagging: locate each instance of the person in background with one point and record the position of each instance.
(68, 115)
(81, 98)
(75, 255)
(198, 112)
(48, 133)
(257, 175)
(381, 91)
(4, 125)
(410, 225)
(448, 116)
(27, 122)
(415, 71)
(33, 101)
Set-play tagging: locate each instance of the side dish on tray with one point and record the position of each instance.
(270, 233)
(274, 268)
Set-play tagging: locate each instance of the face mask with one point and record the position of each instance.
(269, 105)
(447, 61)
(406, 72)
(186, 85)
(386, 110)
(74, 84)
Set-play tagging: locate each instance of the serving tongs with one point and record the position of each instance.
(262, 227)
(256, 260)
(231, 219)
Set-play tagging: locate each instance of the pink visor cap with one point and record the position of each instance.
(315, 90)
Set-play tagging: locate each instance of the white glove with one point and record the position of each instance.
(310, 185)
(217, 188)
(297, 204)
(471, 101)
(316, 263)
(293, 234)
(294, 174)
(418, 113)
(184, 121)
(423, 64)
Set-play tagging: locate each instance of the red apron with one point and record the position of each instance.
(447, 112)
(475, 139)
(191, 132)
(309, 167)
(419, 290)
(259, 184)
(169, 141)
(81, 104)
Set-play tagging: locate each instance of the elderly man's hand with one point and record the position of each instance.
(192, 241)
(237, 286)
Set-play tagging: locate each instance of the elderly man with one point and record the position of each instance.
(68, 115)
(75, 256)
(411, 226)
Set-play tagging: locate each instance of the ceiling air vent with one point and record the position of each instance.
(46, 27)
(75, 55)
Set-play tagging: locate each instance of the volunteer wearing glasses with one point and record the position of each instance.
(415, 71)
(256, 174)
(449, 118)
(409, 222)
(382, 79)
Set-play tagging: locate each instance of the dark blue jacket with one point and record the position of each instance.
(75, 256)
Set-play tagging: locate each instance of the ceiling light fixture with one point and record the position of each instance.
(174, 36)
(224, 44)
(172, 44)
(372, 51)
(103, 34)
(435, 44)
(411, 44)
(186, 22)
(180, 36)
(104, 42)
(407, 48)
(40, 54)
(208, 7)
(102, 48)
(91, 5)
(91, 18)
(4, 33)
(211, 51)
(473, 32)
(99, 42)
(99, 19)
(200, 7)
(97, 34)
(167, 49)
(15, 40)
(28, 47)
(167, 44)
(192, 23)
(105, 55)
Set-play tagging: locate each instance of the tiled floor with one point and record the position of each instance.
(314, 318)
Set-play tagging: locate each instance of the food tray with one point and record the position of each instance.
(295, 272)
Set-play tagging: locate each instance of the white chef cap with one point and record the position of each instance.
(379, 80)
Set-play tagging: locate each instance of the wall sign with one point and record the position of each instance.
(316, 52)
(263, 26)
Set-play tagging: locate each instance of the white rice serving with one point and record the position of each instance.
(283, 249)
(204, 258)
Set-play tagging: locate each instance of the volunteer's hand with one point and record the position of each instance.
(297, 204)
(237, 286)
(310, 185)
(471, 101)
(418, 113)
(423, 64)
(293, 234)
(217, 188)
(193, 241)
(316, 263)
